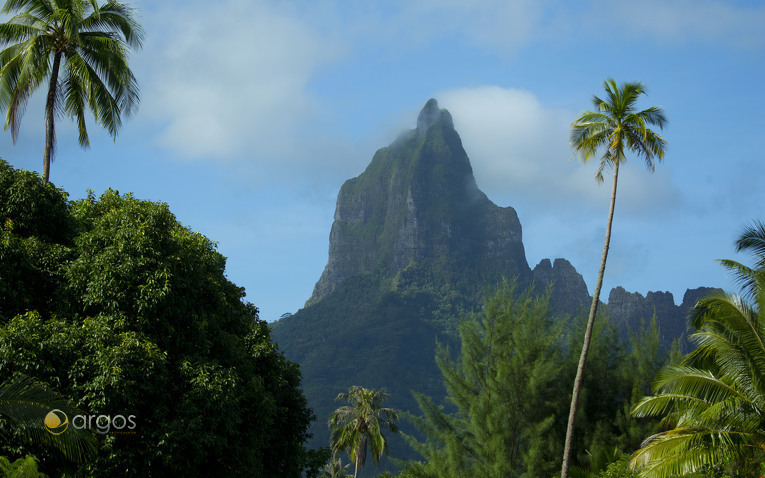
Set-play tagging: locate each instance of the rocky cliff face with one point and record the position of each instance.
(569, 292)
(417, 202)
(629, 309)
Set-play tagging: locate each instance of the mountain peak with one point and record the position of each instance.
(432, 114)
(417, 207)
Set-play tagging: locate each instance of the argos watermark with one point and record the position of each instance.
(57, 422)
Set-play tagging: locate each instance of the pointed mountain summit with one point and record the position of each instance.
(417, 203)
(413, 247)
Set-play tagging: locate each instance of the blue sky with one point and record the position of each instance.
(253, 114)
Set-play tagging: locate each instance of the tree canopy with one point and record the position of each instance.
(359, 425)
(128, 312)
(507, 401)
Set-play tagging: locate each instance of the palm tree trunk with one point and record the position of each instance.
(588, 334)
(356, 471)
(50, 107)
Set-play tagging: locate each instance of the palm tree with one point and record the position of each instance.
(334, 469)
(80, 50)
(359, 425)
(28, 404)
(618, 127)
(714, 401)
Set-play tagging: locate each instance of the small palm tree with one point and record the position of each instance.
(80, 50)
(334, 469)
(616, 127)
(29, 404)
(358, 425)
(714, 401)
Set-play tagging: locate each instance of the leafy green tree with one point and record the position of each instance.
(359, 425)
(713, 402)
(507, 393)
(503, 386)
(36, 237)
(605, 463)
(145, 323)
(81, 50)
(617, 127)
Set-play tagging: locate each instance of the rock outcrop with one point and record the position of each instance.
(629, 309)
(417, 202)
(569, 292)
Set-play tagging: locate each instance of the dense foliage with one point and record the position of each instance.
(24, 400)
(506, 406)
(117, 306)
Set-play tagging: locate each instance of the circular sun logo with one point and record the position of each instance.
(56, 422)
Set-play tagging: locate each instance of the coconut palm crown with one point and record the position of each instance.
(617, 127)
(79, 50)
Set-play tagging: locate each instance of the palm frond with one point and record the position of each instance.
(27, 403)
(715, 400)
(116, 17)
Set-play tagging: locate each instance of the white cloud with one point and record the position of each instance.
(227, 79)
(519, 148)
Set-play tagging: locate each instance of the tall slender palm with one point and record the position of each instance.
(80, 49)
(358, 426)
(617, 127)
(713, 403)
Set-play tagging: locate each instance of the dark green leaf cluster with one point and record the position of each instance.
(36, 235)
(130, 313)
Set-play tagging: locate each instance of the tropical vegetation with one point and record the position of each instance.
(359, 425)
(124, 311)
(78, 50)
(616, 127)
(507, 402)
(712, 403)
